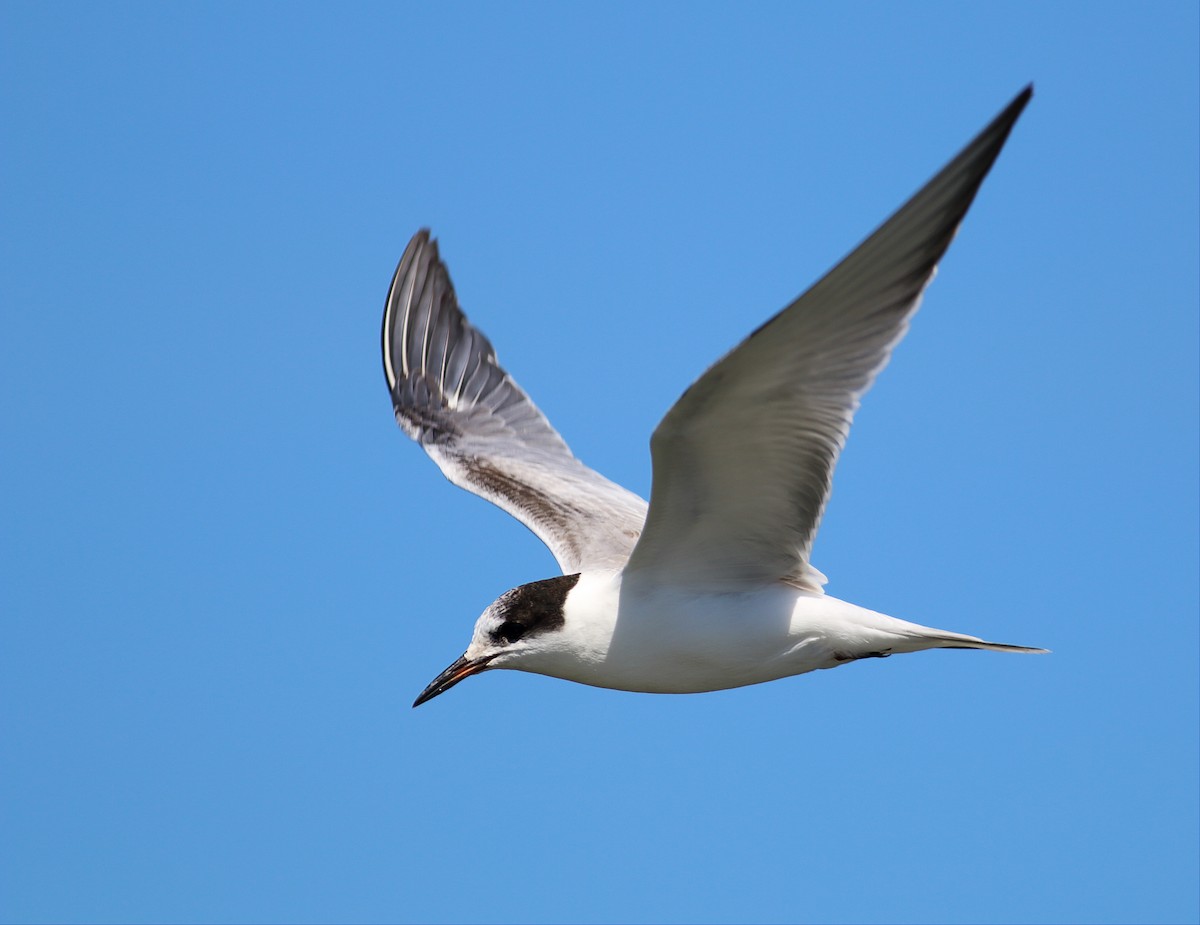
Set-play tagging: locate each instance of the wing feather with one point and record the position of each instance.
(452, 396)
(744, 460)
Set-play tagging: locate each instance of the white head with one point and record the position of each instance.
(520, 629)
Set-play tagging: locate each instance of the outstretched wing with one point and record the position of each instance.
(743, 462)
(453, 398)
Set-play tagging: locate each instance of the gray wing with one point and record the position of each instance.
(743, 462)
(453, 398)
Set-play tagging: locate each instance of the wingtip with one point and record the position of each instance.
(420, 240)
(421, 249)
(1018, 104)
(423, 238)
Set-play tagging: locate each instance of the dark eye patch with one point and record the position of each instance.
(531, 609)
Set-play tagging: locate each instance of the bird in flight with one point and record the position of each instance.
(710, 586)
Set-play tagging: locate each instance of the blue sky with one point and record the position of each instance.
(226, 573)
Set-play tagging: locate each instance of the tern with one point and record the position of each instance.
(710, 586)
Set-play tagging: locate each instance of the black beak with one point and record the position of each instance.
(462, 668)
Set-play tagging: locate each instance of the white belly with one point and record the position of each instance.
(661, 640)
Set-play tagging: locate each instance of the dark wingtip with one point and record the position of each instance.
(1008, 117)
(1021, 100)
(421, 249)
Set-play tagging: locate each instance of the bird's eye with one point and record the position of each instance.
(510, 631)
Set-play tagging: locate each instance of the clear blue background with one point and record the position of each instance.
(226, 573)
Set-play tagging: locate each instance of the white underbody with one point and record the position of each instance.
(628, 633)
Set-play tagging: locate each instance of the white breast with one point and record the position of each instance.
(638, 636)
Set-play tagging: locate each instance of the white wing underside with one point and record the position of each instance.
(452, 397)
(743, 462)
